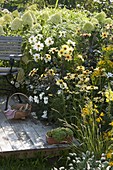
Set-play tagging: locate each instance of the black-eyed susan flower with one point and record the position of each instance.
(33, 72)
(53, 50)
(60, 52)
(104, 34)
(68, 57)
(51, 72)
(61, 84)
(47, 58)
(65, 47)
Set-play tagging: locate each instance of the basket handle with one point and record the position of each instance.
(18, 94)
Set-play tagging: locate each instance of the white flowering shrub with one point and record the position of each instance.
(86, 161)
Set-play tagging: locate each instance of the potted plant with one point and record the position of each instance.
(60, 135)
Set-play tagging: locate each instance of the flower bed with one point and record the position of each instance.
(67, 69)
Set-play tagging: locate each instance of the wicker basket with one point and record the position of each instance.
(19, 106)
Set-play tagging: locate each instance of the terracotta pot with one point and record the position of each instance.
(51, 140)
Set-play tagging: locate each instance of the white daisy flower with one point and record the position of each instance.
(41, 95)
(62, 33)
(38, 46)
(32, 39)
(30, 98)
(69, 42)
(30, 51)
(49, 41)
(44, 114)
(36, 57)
(45, 100)
(36, 99)
(40, 36)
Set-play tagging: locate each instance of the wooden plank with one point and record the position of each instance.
(22, 135)
(34, 136)
(10, 133)
(4, 142)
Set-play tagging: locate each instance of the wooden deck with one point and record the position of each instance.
(24, 136)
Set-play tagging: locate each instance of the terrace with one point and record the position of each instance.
(19, 137)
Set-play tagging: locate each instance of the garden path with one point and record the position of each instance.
(24, 136)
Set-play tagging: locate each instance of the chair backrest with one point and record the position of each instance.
(10, 46)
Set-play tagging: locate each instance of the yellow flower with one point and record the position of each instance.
(80, 68)
(109, 95)
(109, 155)
(61, 52)
(70, 50)
(65, 47)
(68, 57)
(47, 58)
(51, 72)
(111, 163)
(62, 84)
(111, 123)
(104, 34)
(109, 133)
(101, 114)
(99, 119)
(33, 72)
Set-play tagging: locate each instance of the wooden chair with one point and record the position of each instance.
(10, 55)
